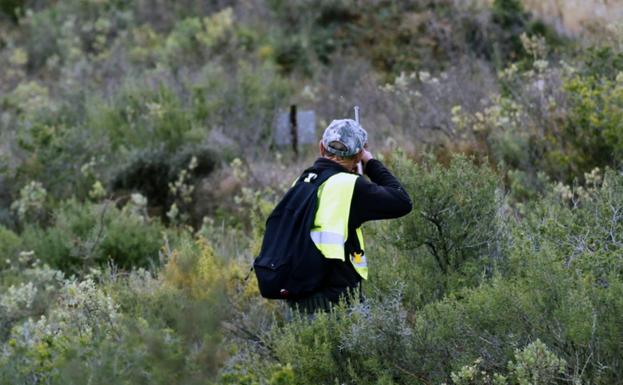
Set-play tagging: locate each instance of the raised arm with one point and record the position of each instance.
(383, 197)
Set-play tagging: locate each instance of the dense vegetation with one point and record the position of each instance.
(137, 167)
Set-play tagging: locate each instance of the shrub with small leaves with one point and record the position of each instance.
(10, 244)
(37, 349)
(536, 365)
(30, 207)
(475, 375)
(85, 235)
(451, 237)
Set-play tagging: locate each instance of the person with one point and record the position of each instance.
(345, 201)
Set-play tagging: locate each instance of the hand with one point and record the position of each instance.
(366, 155)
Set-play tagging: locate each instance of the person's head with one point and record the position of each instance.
(343, 141)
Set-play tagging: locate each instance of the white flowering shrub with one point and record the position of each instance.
(28, 286)
(535, 364)
(31, 203)
(32, 98)
(34, 350)
(17, 298)
(84, 308)
(182, 191)
(475, 375)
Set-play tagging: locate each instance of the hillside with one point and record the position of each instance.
(138, 165)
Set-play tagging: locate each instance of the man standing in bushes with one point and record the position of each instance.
(322, 248)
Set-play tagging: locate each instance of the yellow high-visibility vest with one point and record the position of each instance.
(330, 229)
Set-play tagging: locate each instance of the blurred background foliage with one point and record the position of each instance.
(137, 168)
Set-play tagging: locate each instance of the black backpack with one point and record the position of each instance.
(290, 266)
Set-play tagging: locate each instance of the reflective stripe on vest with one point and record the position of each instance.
(330, 228)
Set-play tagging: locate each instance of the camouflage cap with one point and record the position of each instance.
(346, 132)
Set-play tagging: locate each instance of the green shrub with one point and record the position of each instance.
(368, 345)
(174, 339)
(57, 164)
(593, 128)
(36, 348)
(182, 40)
(303, 343)
(130, 241)
(71, 29)
(290, 55)
(169, 324)
(10, 245)
(244, 106)
(155, 173)
(451, 237)
(564, 252)
(11, 8)
(559, 120)
(27, 291)
(31, 205)
(584, 234)
(147, 171)
(133, 327)
(141, 117)
(511, 19)
(534, 364)
(53, 141)
(191, 38)
(86, 235)
(53, 245)
(403, 36)
(121, 328)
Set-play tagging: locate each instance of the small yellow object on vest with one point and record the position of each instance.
(357, 257)
(360, 264)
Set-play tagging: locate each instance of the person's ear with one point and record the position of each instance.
(321, 148)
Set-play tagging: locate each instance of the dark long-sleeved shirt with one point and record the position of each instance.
(382, 197)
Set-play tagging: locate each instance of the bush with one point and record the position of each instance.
(141, 117)
(192, 37)
(593, 127)
(164, 337)
(36, 349)
(11, 8)
(71, 29)
(242, 104)
(511, 18)
(10, 245)
(193, 267)
(579, 238)
(534, 364)
(404, 36)
(553, 119)
(28, 289)
(147, 171)
(451, 238)
(86, 235)
(30, 207)
(53, 146)
(152, 171)
(135, 327)
(367, 345)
